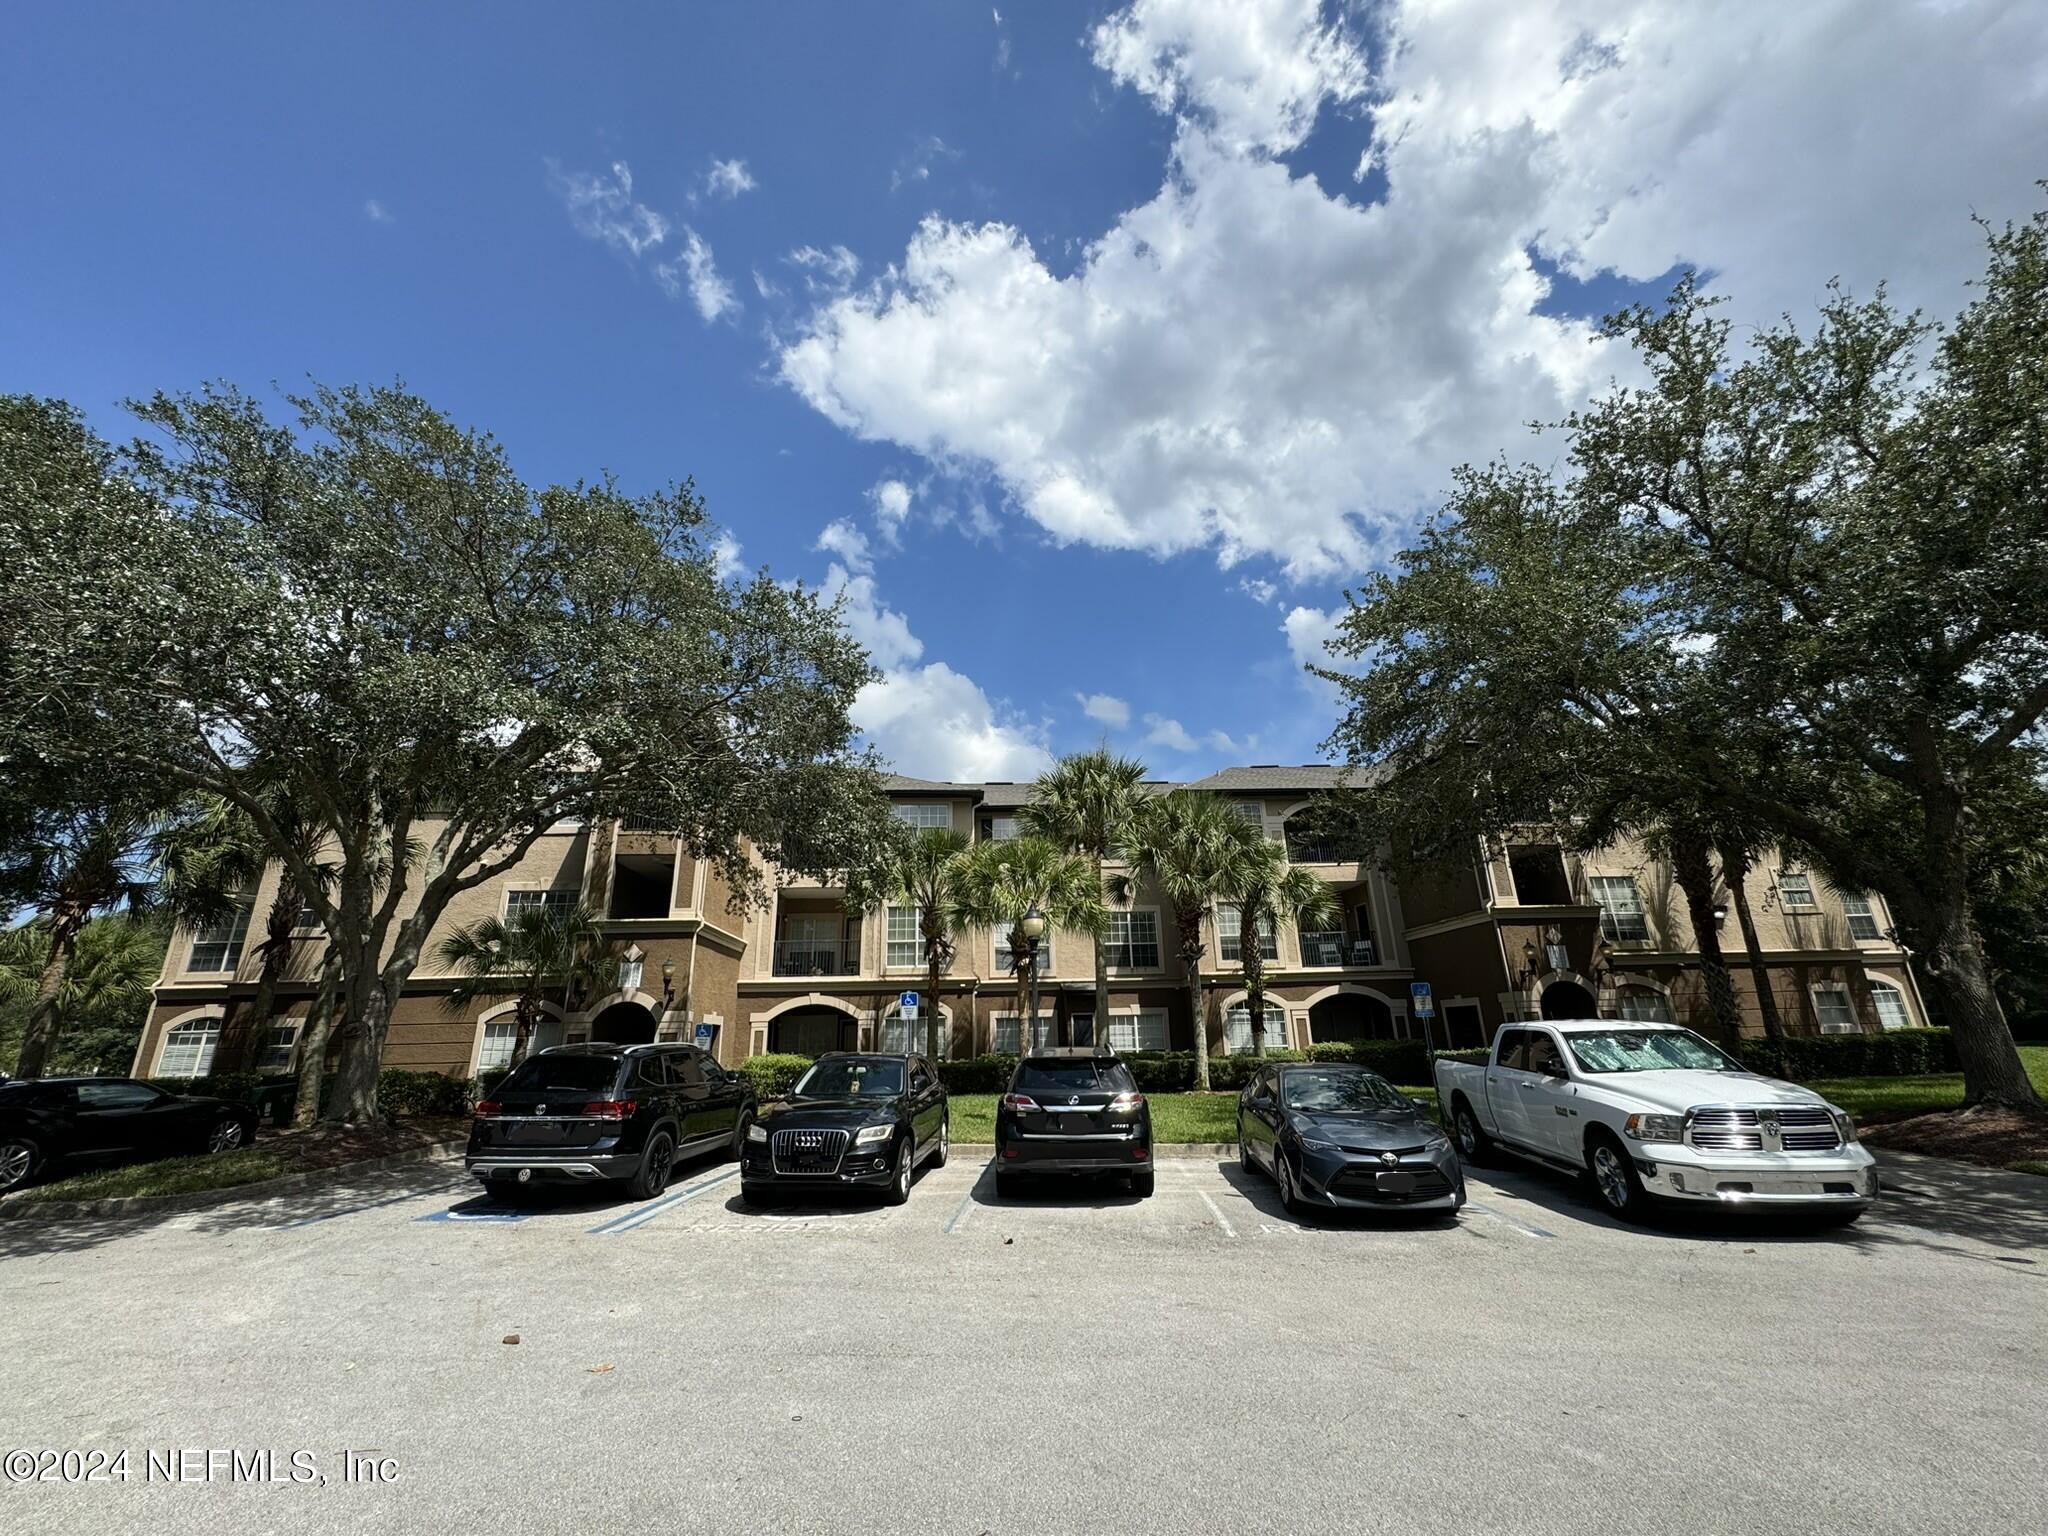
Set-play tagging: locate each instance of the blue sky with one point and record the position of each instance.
(1167, 322)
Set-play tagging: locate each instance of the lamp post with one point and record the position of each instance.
(668, 984)
(1032, 927)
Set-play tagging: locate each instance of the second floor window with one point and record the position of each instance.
(1229, 924)
(1004, 963)
(924, 816)
(519, 903)
(1795, 890)
(1862, 920)
(218, 945)
(1132, 941)
(1621, 907)
(1004, 829)
(906, 943)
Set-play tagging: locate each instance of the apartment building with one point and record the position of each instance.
(1531, 931)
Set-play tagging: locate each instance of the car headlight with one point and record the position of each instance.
(870, 1134)
(1655, 1127)
(1843, 1123)
(1318, 1143)
(757, 1132)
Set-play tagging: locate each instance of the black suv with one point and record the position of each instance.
(1073, 1111)
(851, 1121)
(576, 1114)
(93, 1119)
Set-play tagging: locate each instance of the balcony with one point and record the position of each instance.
(816, 957)
(1334, 947)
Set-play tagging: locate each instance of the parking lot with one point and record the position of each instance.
(1078, 1361)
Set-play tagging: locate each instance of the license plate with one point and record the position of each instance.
(1396, 1183)
(546, 1134)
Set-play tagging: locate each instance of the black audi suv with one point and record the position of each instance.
(61, 1120)
(1338, 1137)
(584, 1114)
(853, 1121)
(1072, 1111)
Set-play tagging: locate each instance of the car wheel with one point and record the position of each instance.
(945, 1145)
(1244, 1149)
(899, 1182)
(656, 1163)
(1474, 1145)
(226, 1136)
(1290, 1198)
(739, 1135)
(17, 1163)
(1614, 1179)
(1142, 1184)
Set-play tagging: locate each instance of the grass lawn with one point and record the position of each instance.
(1874, 1100)
(1175, 1116)
(170, 1176)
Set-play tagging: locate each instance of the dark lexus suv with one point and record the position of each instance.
(578, 1114)
(1073, 1111)
(854, 1121)
(57, 1120)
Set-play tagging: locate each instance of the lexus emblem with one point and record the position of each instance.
(1391, 1159)
(1074, 1099)
(540, 1109)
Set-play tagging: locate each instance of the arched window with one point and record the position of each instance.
(188, 1049)
(1643, 1005)
(1890, 1004)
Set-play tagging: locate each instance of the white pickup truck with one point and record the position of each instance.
(1656, 1113)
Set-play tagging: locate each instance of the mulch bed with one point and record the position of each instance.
(1994, 1138)
(331, 1146)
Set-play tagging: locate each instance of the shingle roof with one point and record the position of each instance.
(1266, 777)
(1271, 776)
(897, 784)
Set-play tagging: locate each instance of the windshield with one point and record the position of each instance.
(1073, 1077)
(852, 1078)
(1339, 1093)
(551, 1074)
(1647, 1050)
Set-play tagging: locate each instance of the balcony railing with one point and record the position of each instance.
(816, 957)
(1333, 947)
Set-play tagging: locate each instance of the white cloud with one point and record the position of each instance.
(1257, 590)
(1309, 632)
(725, 556)
(377, 213)
(933, 723)
(1105, 707)
(825, 271)
(603, 208)
(917, 165)
(764, 287)
(881, 630)
(729, 178)
(892, 507)
(841, 538)
(1171, 734)
(1247, 363)
(694, 269)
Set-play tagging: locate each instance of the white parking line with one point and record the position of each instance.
(967, 1201)
(1522, 1227)
(647, 1213)
(1216, 1210)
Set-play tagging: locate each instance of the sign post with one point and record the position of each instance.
(1424, 1004)
(907, 1006)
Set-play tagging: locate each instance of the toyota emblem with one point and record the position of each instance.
(1391, 1159)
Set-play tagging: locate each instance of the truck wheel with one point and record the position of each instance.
(656, 1163)
(1614, 1178)
(1474, 1145)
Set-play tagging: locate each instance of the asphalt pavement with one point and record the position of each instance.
(334, 1360)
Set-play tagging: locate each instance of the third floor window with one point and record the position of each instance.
(1621, 907)
(1229, 926)
(1132, 941)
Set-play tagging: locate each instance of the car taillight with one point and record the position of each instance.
(608, 1109)
(1019, 1101)
(488, 1107)
(1126, 1102)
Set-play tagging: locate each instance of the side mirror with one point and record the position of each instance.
(1555, 1068)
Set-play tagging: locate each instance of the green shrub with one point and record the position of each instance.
(1895, 1053)
(401, 1093)
(774, 1075)
(977, 1074)
(489, 1078)
(223, 1085)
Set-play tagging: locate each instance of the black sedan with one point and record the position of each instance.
(1338, 1137)
(582, 1114)
(1073, 1111)
(61, 1120)
(851, 1122)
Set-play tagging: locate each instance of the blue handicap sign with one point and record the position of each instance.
(1418, 993)
(704, 1034)
(907, 1002)
(476, 1211)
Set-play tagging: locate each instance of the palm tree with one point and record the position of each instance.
(106, 987)
(534, 952)
(68, 864)
(1000, 882)
(924, 872)
(1267, 891)
(1089, 804)
(1184, 843)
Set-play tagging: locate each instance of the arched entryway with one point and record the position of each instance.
(1568, 1000)
(1351, 1016)
(624, 1023)
(813, 1031)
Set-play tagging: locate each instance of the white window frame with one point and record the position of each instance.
(281, 1036)
(924, 815)
(204, 1049)
(1851, 1025)
(1001, 951)
(557, 898)
(1622, 920)
(892, 1039)
(1237, 1024)
(228, 937)
(1131, 944)
(486, 1031)
(998, 820)
(1252, 812)
(1227, 930)
(1882, 992)
(1856, 906)
(890, 940)
(1048, 1027)
(1635, 992)
(1145, 1029)
(1807, 902)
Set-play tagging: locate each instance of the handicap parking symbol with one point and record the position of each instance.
(472, 1211)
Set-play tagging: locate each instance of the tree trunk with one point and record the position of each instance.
(1961, 978)
(1694, 871)
(1735, 870)
(1100, 1030)
(1254, 961)
(1191, 963)
(368, 1020)
(931, 1002)
(313, 1043)
(524, 1014)
(277, 952)
(45, 1018)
